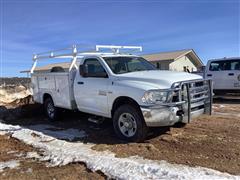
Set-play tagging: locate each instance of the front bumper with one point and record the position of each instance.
(161, 116)
(182, 111)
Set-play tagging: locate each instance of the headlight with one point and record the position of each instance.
(155, 97)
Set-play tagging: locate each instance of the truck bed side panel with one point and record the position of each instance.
(46, 82)
(36, 95)
(58, 85)
(62, 94)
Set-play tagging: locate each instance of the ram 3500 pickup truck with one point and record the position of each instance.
(123, 87)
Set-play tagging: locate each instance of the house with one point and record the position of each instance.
(182, 60)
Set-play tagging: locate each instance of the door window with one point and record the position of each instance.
(93, 68)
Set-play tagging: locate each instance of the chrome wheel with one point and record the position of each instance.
(127, 124)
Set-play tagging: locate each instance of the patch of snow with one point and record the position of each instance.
(227, 114)
(29, 170)
(11, 152)
(60, 152)
(218, 106)
(19, 155)
(31, 155)
(9, 128)
(5, 128)
(8, 164)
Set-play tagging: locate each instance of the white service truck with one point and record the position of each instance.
(119, 86)
(225, 74)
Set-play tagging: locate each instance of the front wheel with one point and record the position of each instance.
(50, 110)
(129, 124)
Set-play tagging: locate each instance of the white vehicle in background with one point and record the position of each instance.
(225, 74)
(121, 86)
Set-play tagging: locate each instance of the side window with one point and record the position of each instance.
(93, 68)
(225, 65)
(215, 66)
(235, 64)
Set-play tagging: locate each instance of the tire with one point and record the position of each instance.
(51, 111)
(129, 124)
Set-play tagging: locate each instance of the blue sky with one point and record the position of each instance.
(212, 28)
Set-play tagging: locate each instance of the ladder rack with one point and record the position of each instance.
(116, 49)
(74, 52)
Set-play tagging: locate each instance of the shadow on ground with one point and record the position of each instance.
(32, 117)
(226, 99)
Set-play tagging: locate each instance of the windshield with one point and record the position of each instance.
(120, 65)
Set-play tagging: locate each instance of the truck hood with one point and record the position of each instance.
(158, 78)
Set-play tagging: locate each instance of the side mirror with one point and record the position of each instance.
(82, 70)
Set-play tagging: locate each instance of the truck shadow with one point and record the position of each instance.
(227, 100)
(72, 126)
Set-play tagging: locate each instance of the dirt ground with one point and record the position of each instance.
(12, 149)
(208, 141)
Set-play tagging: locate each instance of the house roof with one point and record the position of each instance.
(173, 55)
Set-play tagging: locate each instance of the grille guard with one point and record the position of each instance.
(206, 100)
(186, 104)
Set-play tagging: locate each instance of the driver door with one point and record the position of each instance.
(91, 93)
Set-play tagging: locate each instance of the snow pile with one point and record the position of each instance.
(11, 94)
(6, 128)
(60, 152)
(9, 164)
(33, 155)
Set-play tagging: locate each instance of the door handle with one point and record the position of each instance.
(231, 74)
(81, 82)
(209, 75)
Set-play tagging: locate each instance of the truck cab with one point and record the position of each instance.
(123, 87)
(225, 74)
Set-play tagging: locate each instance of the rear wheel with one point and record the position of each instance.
(50, 110)
(129, 124)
